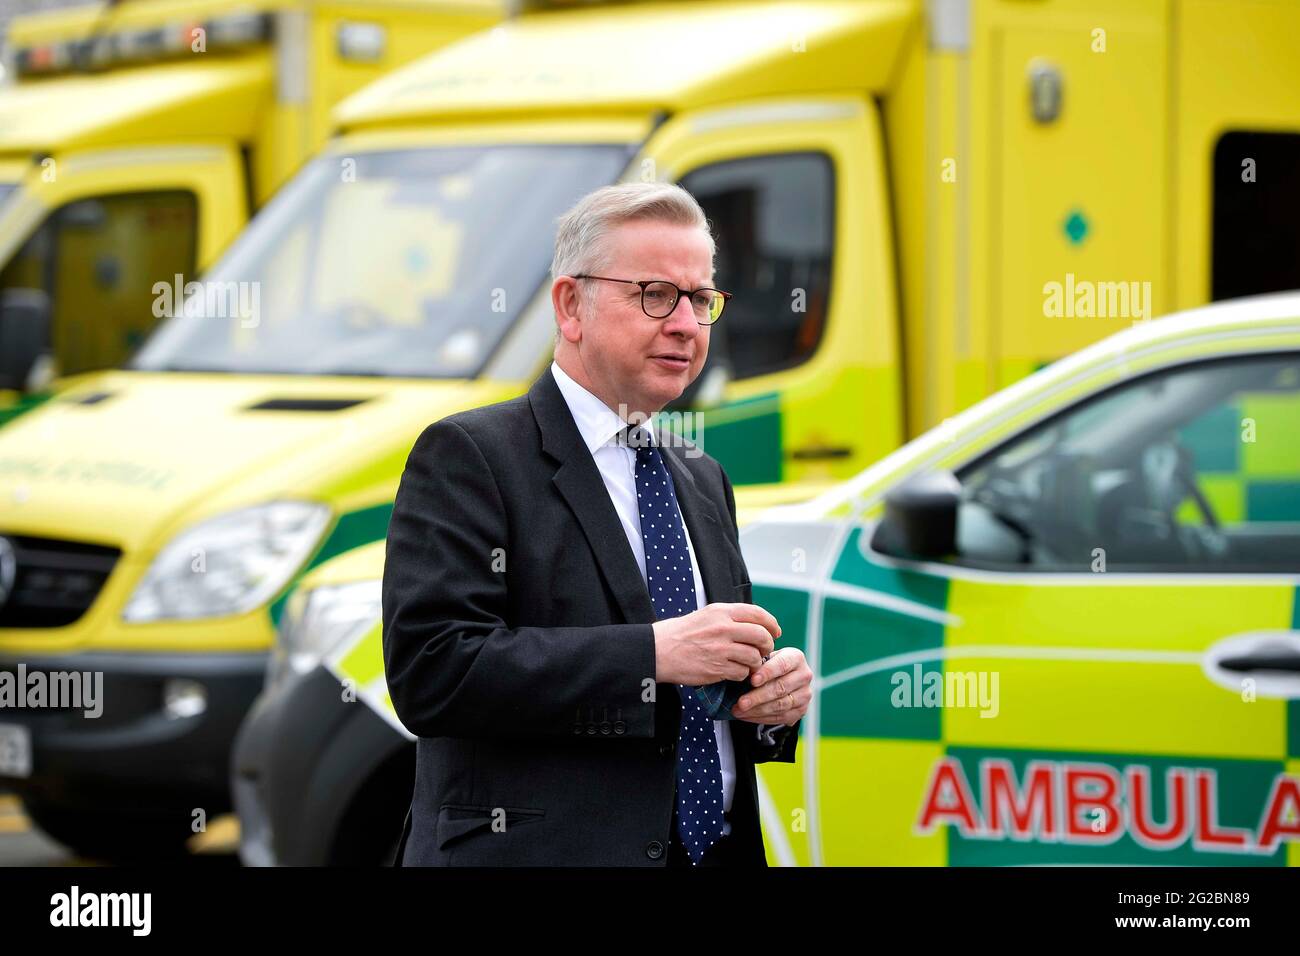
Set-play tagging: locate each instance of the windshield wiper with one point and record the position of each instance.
(217, 370)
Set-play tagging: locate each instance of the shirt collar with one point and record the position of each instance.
(598, 424)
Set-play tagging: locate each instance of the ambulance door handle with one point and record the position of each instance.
(1262, 659)
(1269, 660)
(821, 452)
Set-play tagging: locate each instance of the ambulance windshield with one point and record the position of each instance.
(409, 263)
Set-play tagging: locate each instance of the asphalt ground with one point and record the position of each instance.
(22, 844)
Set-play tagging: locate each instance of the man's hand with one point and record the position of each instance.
(717, 642)
(783, 690)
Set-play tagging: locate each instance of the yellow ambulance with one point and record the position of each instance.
(915, 204)
(1063, 628)
(136, 139)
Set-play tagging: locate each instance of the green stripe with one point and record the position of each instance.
(24, 404)
(748, 447)
(854, 634)
(854, 568)
(790, 608)
(351, 530)
(1214, 440)
(1273, 501)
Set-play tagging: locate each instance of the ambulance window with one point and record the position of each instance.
(409, 262)
(1256, 232)
(1194, 468)
(773, 220)
(97, 261)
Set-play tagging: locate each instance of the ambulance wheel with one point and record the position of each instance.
(113, 837)
(369, 832)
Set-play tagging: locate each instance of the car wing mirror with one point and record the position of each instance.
(920, 519)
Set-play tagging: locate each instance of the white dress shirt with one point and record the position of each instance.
(599, 426)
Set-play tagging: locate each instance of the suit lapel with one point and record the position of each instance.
(578, 480)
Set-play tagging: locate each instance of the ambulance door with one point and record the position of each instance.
(1077, 236)
(1237, 159)
(92, 234)
(802, 380)
(1120, 652)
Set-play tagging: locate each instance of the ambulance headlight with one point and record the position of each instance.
(229, 564)
(322, 620)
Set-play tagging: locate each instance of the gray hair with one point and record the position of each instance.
(580, 239)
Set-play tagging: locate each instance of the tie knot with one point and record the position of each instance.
(637, 437)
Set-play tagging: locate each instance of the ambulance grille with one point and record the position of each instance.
(50, 583)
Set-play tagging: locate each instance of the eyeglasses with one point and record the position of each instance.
(659, 298)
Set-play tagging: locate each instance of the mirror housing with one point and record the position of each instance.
(24, 335)
(920, 519)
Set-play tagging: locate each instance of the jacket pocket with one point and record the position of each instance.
(457, 820)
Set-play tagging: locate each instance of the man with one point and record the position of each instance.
(560, 576)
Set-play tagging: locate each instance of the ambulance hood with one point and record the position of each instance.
(129, 459)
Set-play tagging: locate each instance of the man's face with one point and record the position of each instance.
(628, 356)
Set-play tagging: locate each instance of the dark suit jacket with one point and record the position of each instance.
(518, 647)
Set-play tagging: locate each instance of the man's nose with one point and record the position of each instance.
(682, 321)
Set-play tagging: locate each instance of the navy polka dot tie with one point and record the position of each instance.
(698, 811)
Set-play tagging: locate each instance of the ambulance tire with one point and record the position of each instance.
(369, 832)
(113, 837)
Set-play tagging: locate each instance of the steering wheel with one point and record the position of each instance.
(1208, 541)
(1174, 481)
(1185, 473)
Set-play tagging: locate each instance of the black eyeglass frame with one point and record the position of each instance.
(679, 292)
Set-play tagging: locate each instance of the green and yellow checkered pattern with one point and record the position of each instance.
(1247, 456)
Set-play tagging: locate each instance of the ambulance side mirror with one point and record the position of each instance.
(24, 335)
(920, 519)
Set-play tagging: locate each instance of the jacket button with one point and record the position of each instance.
(620, 727)
(665, 749)
(654, 849)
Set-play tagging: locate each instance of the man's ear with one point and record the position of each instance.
(567, 302)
